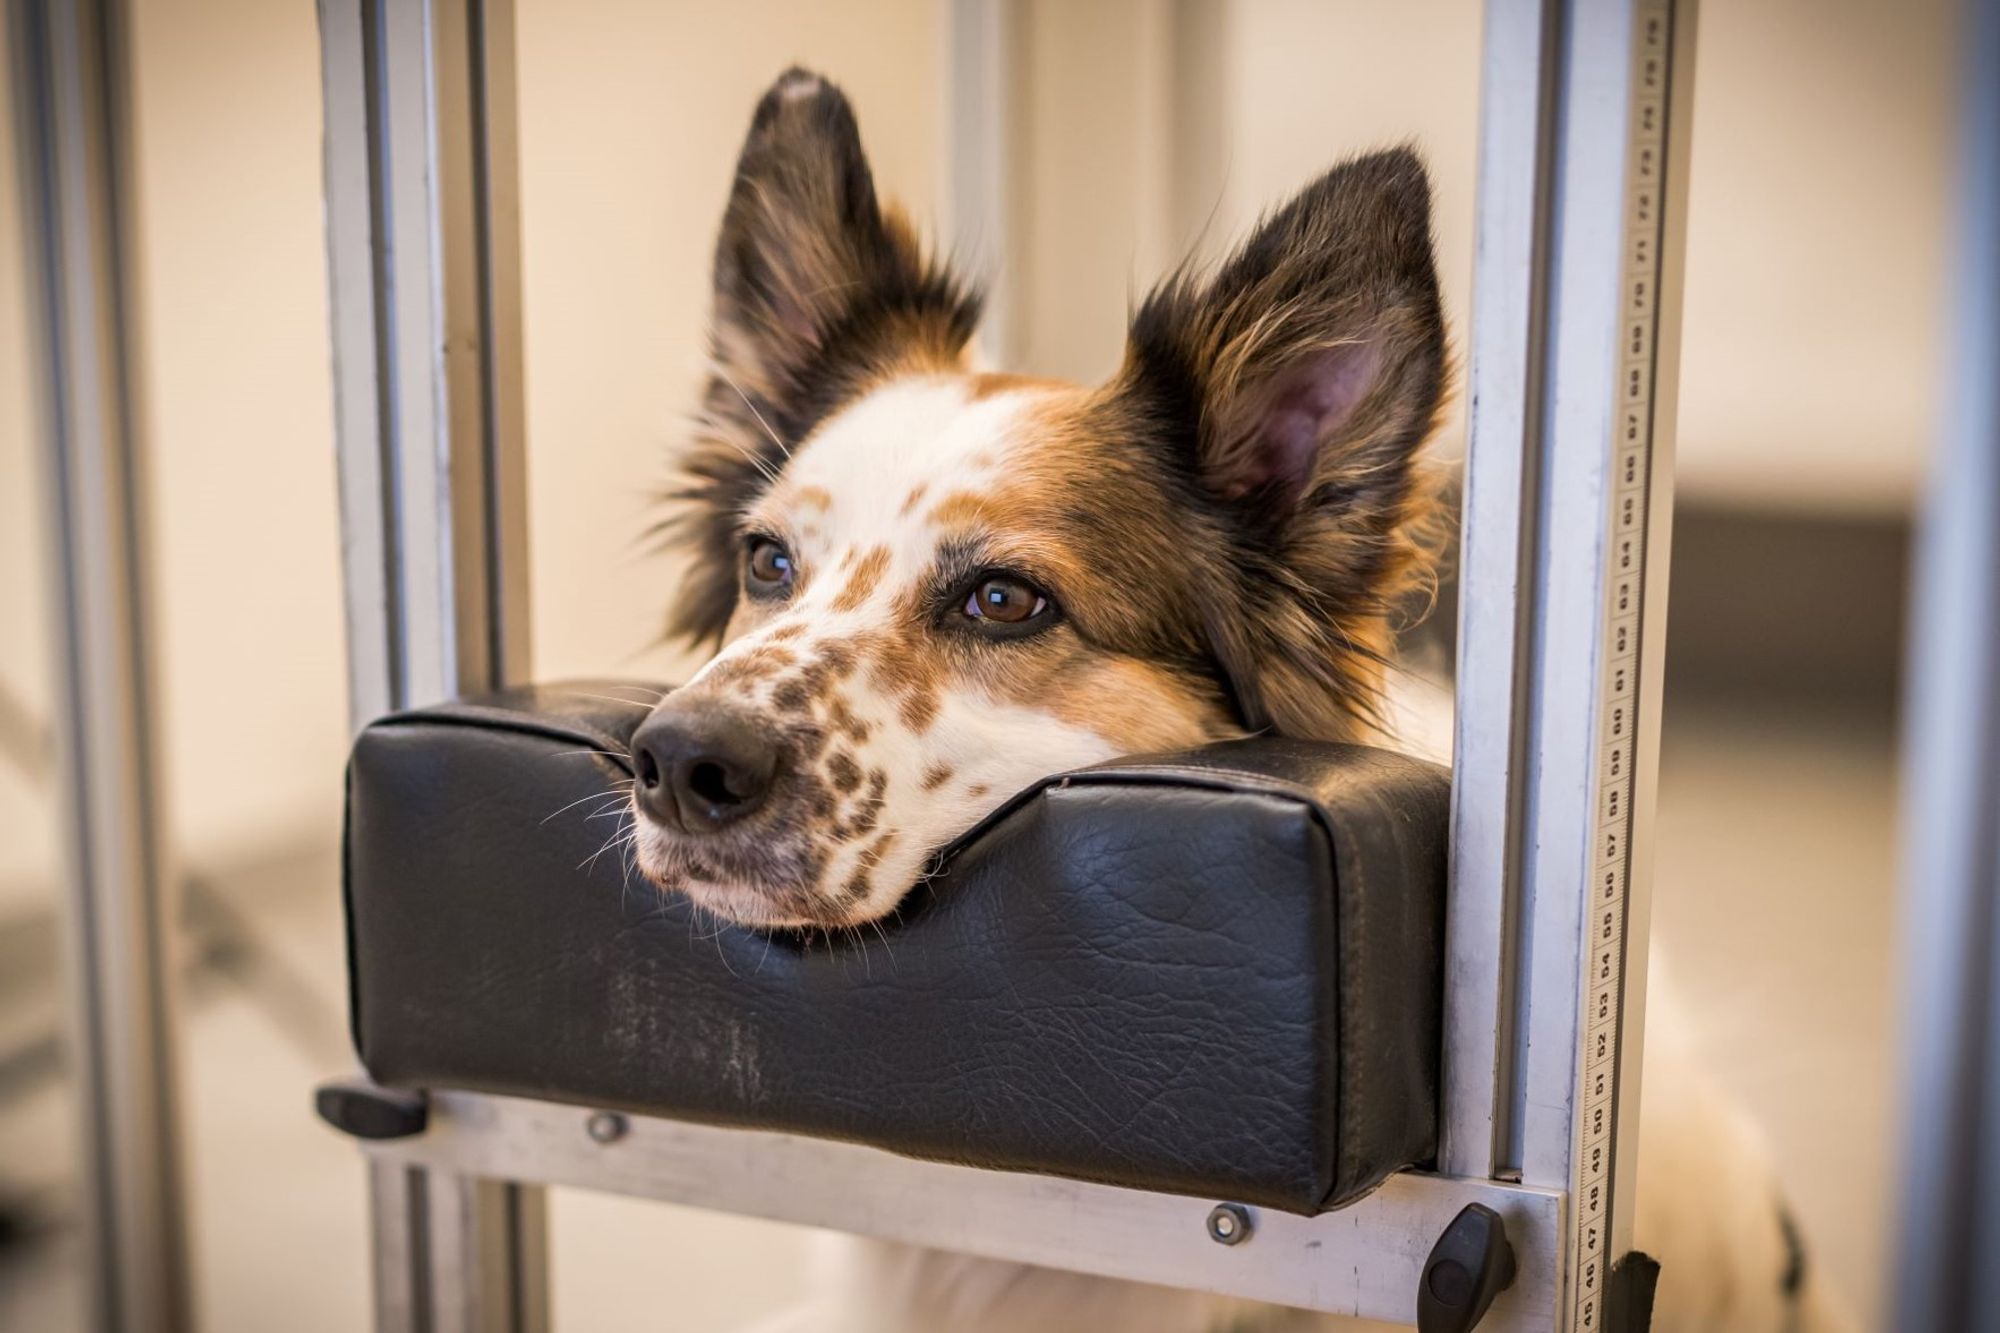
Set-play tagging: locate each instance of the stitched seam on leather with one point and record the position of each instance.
(1334, 1143)
(496, 721)
(347, 911)
(1247, 784)
(1348, 1073)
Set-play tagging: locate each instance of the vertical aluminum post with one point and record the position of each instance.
(983, 48)
(1495, 570)
(424, 257)
(72, 73)
(1946, 1275)
(1563, 596)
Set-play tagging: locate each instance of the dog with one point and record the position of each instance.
(928, 585)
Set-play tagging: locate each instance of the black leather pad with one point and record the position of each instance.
(1214, 973)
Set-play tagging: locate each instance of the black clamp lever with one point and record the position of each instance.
(1470, 1265)
(368, 1111)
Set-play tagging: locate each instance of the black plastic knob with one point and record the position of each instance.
(1470, 1265)
(1628, 1294)
(360, 1108)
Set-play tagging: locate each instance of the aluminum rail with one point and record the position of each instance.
(1566, 538)
(1950, 1217)
(424, 261)
(1562, 590)
(72, 73)
(1364, 1260)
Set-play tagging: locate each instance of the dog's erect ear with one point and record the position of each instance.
(818, 290)
(1299, 380)
(809, 257)
(1313, 358)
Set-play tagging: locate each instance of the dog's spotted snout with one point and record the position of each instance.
(700, 770)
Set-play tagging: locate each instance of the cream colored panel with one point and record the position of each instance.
(237, 416)
(632, 113)
(1814, 324)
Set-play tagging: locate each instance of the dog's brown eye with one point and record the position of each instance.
(1007, 601)
(770, 565)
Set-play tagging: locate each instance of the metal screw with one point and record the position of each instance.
(1229, 1224)
(606, 1127)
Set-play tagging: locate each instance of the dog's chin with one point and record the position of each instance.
(764, 897)
(743, 904)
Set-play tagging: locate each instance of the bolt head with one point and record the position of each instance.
(606, 1127)
(1229, 1224)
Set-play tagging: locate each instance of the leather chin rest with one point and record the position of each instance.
(1214, 973)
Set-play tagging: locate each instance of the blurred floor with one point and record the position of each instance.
(1774, 906)
(1773, 901)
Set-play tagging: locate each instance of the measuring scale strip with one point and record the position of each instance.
(1629, 495)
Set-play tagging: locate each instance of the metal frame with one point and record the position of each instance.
(1568, 502)
(1581, 201)
(72, 74)
(423, 243)
(1566, 534)
(1364, 1260)
(422, 222)
(1950, 1222)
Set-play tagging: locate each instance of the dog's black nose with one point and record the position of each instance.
(701, 768)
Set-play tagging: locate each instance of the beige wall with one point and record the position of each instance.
(1306, 84)
(1815, 316)
(1148, 130)
(1820, 186)
(1090, 230)
(238, 418)
(232, 320)
(631, 116)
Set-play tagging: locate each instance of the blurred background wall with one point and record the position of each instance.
(1138, 129)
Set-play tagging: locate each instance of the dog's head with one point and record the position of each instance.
(932, 586)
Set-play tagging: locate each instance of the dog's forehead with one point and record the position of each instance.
(877, 467)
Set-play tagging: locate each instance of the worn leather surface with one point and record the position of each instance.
(1213, 973)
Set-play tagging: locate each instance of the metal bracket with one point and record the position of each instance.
(1364, 1260)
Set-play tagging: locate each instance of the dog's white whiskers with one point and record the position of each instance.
(763, 468)
(722, 923)
(887, 949)
(631, 866)
(731, 382)
(861, 943)
(614, 699)
(618, 836)
(609, 754)
(618, 840)
(619, 792)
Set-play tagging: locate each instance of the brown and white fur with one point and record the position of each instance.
(930, 586)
